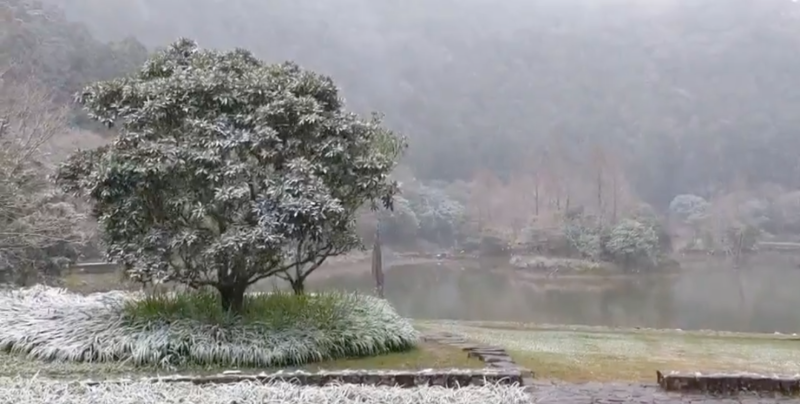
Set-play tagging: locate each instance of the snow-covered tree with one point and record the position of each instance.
(228, 170)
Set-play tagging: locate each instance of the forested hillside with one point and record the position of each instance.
(513, 109)
(692, 95)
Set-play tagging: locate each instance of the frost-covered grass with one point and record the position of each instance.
(425, 355)
(178, 329)
(558, 264)
(584, 353)
(20, 390)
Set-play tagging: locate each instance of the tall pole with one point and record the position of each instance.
(377, 262)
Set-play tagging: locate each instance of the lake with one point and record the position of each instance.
(706, 296)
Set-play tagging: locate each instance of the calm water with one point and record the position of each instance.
(709, 298)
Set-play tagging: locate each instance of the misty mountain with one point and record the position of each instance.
(691, 95)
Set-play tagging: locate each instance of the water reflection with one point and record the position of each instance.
(709, 299)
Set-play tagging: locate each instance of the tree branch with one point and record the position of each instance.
(281, 270)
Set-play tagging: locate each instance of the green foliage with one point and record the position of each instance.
(228, 170)
(440, 217)
(646, 215)
(424, 212)
(633, 243)
(400, 225)
(585, 234)
(279, 310)
(190, 329)
(637, 241)
(549, 241)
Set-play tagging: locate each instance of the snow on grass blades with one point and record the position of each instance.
(20, 390)
(275, 329)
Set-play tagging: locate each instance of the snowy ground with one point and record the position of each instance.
(38, 390)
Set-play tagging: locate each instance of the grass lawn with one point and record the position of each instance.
(425, 356)
(596, 354)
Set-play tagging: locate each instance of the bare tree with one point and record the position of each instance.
(40, 228)
(598, 162)
(484, 185)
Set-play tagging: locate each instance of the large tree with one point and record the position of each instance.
(223, 164)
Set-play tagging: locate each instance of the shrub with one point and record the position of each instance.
(487, 245)
(646, 215)
(400, 225)
(631, 243)
(546, 240)
(756, 213)
(275, 329)
(586, 235)
(440, 217)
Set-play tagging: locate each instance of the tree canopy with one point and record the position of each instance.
(228, 170)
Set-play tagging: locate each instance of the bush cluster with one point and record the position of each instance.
(634, 242)
(687, 206)
(190, 328)
(730, 225)
(425, 213)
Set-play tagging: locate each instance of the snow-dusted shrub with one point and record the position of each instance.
(586, 235)
(756, 213)
(440, 217)
(688, 206)
(401, 224)
(632, 243)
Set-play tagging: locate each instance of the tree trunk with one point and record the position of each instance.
(232, 297)
(377, 263)
(298, 285)
(600, 191)
(615, 194)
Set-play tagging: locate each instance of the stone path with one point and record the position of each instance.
(492, 356)
(543, 392)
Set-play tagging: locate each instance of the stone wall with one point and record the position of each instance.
(434, 377)
(728, 383)
(500, 369)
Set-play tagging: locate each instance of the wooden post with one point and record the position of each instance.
(377, 263)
